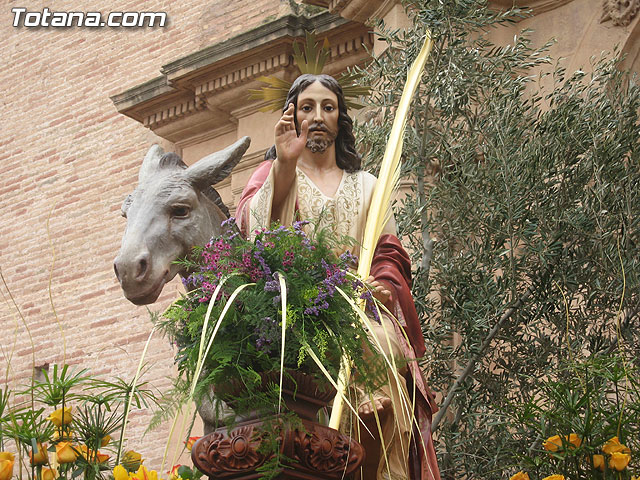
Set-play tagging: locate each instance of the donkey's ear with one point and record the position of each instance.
(217, 166)
(150, 162)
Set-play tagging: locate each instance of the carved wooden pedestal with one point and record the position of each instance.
(316, 452)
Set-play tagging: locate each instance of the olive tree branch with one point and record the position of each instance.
(480, 353)
(628, 316)
(427, 241)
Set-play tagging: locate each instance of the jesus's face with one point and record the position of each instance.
(319, 106)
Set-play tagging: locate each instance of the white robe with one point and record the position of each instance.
(344, 214)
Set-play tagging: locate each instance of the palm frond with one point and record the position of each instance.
(312, 59)
(353, 89)
(380, 208)
(274, 93)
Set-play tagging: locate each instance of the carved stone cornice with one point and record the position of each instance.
(620, 12)
(536, 6)
(356, 10)
(201, 91)
(365, 10)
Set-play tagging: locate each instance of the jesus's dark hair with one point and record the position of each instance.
(347, 157)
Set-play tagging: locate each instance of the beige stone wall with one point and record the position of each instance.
(66, 163)
(582, 30)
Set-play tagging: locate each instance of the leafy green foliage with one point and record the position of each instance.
(27, 426)
(82, 414)
(55, 390)
(249, 339)
(596, 401)
(523, 220)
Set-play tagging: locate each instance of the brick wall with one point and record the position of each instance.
(67, 160)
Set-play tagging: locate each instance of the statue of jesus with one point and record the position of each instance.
(313, 172)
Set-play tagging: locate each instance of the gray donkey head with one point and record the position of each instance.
(173, 209)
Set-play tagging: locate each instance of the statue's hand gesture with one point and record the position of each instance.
(289, 145)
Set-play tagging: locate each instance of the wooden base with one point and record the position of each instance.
(315, 452)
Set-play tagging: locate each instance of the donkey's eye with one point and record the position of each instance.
(180, 211)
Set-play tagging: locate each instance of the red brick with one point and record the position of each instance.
(61, 124)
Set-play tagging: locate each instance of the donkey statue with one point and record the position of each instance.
(173, 209)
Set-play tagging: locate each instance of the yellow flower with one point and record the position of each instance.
(598, 462)
(189, 443)
(102, 457)
(613, 445)
(6, 466)
(144, 474)
(49, 474)
(65, 453)
(40, 457)
(520, 476)
(91, 456)
(120, 473)
(59, 434)
(131, 460)
(575, 440)
(173, 473)
(59, 418)
(105, 440)
(619, 461)
(552, 444)
(554, 477)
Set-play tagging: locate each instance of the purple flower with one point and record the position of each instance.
(297, 226)
(348, 258)
(266, 332)
(228, 222)
(312, 311)
(258, 256)
(371, 304)
(272, 285)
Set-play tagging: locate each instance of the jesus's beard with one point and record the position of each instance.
(322, 143)
(319, 145)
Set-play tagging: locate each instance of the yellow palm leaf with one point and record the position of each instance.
(380, 207)
(390, 167)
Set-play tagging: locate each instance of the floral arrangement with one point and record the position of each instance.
(236, 295)
(611, 462)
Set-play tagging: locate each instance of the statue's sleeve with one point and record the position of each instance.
(391, 264)
(254, 207)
